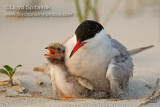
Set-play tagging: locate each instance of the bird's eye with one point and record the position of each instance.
(59, 49)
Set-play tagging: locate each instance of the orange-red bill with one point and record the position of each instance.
(51, 51)
(76, 47)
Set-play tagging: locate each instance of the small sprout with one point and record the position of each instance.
(9, 71)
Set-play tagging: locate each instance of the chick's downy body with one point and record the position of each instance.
(63, 83)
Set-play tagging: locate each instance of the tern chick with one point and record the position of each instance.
(63, 83)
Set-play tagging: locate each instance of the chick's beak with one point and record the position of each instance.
(51, 52)
(76, 47)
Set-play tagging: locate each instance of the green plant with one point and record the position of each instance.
(9, 71)
(90, 7)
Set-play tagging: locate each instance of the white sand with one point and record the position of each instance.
(22, 41)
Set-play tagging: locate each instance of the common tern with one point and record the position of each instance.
(92, 54)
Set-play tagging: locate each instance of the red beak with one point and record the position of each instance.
(51, 52)
(76, 47)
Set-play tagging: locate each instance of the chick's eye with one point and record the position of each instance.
(59, 49)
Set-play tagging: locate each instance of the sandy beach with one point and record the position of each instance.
(23, 41)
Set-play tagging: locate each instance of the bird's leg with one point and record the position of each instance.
(115, 87)
(116, 80)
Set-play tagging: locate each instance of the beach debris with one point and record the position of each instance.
(20, 87)
(155, 95)
(4, 83)
(148, 86)
(64, 99)
(36, 93)
(33, 96)
(39, 82)
(2, 90)
(9, 71)
(38, 69)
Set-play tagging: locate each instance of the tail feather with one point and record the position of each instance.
(138, 50)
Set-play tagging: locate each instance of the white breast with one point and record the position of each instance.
(60, 80)
(91, 60)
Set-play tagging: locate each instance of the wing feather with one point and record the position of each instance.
(120, 69)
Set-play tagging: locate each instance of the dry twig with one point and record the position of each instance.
(3, 90)
(39, 82)
(36, 93)
(66, 99)
(38, 69)
(155, 95)
(34, 96)
(4, 82)
(21, 88)
(148, 86)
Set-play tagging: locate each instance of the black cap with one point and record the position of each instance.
(87, 29)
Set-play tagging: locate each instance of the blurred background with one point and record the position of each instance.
(135, 23)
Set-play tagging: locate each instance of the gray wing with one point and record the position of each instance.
(123, 51)
(120, 68)
(123, 61)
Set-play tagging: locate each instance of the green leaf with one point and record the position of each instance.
(16, 68)
(4, 71)
(8, 68)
